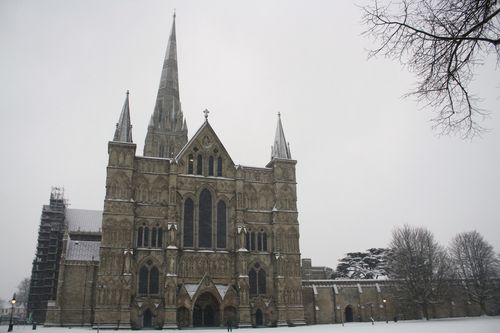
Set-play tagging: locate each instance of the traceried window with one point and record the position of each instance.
(257, 280)
(190, 164)
(149, 279)
(211, 166)
(205, 219)
(199, 165)
(221, 224)
(188, 223)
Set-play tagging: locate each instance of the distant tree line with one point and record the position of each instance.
(426, 270)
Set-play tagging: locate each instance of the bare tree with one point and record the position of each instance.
(442, 42)
(476, 264)
(23, 290)
(421, 265)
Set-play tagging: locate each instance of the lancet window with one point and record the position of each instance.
(188, 222)
(205, 219)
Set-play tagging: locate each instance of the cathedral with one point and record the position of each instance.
(189, 238)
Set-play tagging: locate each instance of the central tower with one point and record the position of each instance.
(167, 130)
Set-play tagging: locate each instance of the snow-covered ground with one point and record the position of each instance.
(452, 325)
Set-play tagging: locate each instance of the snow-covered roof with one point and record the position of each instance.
(83, 220)
(83, 250)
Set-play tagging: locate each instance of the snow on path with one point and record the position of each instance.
(451, 325)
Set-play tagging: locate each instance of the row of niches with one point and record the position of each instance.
(215, 265)
(211, 166)
(264, 198)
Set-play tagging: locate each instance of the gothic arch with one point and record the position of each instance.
(266, 198)
(118, 186)
(250, 196)
(159, 190)
(142, 187)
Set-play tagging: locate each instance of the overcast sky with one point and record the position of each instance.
(367, 158)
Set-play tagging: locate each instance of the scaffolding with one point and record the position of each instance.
(44, 273)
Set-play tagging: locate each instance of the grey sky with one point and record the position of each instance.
(367, 159)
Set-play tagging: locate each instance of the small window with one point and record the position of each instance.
(211, 166)
(146, 237)
(139, 236)
(199, 165)
(153, 237)
(219, 167)
(190, 164)
(160, 237)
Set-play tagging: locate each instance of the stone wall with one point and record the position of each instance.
(337, 301)
(74, 306)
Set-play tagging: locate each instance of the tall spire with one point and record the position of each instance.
(123, 132)
(167, 133)
(281, 148)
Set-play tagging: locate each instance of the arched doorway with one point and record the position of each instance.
(259, 318)
(206, 311)
(349, 317)
(147, 319)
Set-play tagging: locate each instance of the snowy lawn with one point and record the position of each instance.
(452, 325)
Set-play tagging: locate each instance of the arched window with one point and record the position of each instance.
(219, 167)
(205, 219)
(247, 241)
(257, 280)
(149, 279)
(140, 232)
(153, 237)
(211, 166)
(188, 223)
(160, 237)
(221, 224)
(252, 279)
(146, 237)
(264, 241)
(199, 165)
(259, 241)
(190, 164)
(253, 239)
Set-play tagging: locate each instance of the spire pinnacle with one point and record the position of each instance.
(123, 132)
(166, 130)
(280, 149)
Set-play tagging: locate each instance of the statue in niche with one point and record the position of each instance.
(128, 261)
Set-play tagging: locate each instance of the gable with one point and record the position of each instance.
(204, 148)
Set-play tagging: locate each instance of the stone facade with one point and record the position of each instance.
(224, 239)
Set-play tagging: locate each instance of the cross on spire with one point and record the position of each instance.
(206, 112)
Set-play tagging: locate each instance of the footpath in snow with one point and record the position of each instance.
(451, 325)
